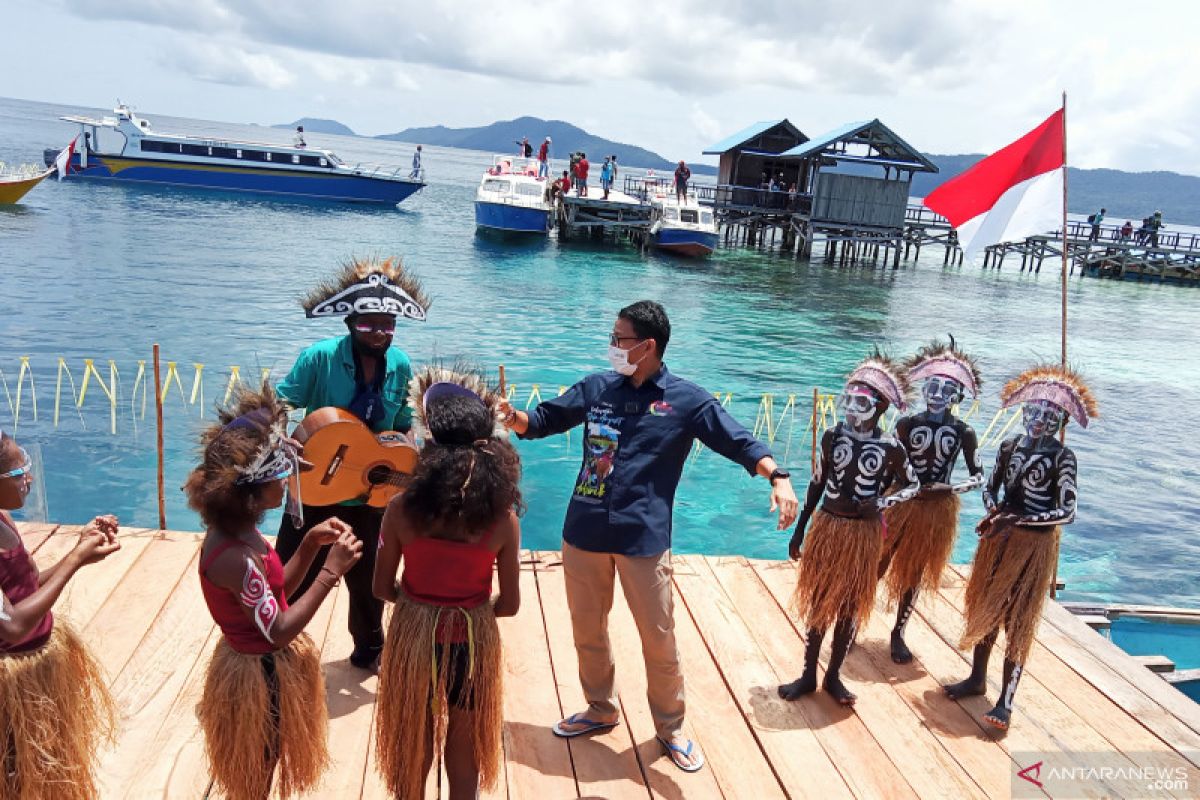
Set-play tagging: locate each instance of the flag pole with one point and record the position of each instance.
(1062, 434)
(1064, 232)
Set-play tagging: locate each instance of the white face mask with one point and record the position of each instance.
(618, 359)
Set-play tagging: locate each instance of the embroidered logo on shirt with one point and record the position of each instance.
(660, 408)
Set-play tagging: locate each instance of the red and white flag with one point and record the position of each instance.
(63, 162)
(1013, 193)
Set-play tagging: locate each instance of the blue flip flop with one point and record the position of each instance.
(580, 719)
(672, 749)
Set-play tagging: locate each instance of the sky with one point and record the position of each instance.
(949, 76)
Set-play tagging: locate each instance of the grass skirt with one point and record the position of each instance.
(55, 714)
(919, 541)
(1010, 579)
(412, 704)
(239, 733)
(839, 569)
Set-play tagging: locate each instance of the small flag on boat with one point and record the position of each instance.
(63, 162)
(1014, 193)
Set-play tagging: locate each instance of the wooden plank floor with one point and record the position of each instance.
(142, 613)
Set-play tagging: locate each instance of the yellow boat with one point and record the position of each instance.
(14, 185)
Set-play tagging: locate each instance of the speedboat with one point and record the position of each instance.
(685, 228)
(15, 183)
(512, 198)
(139, 154)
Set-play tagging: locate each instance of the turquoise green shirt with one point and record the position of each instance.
(323, 375)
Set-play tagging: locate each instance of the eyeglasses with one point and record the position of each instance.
(25, 468)
(615, 340)
(375, 327)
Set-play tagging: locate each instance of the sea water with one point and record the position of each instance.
(95, 271)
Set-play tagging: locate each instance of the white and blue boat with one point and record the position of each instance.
(686, 229)
(512, 198)
(144, 156)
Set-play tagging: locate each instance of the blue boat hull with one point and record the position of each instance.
(685, 242)
(307, 185)
(511, 219)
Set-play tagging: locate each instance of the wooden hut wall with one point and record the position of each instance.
(860, 200)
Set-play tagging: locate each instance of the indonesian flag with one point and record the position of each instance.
(1013, 193)
(63, 162)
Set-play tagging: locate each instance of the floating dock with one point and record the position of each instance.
(143, 615)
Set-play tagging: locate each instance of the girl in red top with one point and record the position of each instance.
(55, 710)
(455, 520)
(264, 696)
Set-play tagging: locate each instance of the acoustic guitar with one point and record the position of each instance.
(350, 461)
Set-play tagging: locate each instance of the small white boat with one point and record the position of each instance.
(512, 198)
(686, 228)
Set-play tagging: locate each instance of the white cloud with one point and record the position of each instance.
(228, 64)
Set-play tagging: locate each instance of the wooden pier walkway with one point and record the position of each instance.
(142, 613)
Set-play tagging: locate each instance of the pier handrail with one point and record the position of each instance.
(643, 186)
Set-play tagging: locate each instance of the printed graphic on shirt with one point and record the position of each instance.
(602, 432)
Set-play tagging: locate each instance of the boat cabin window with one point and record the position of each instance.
(324, 163)
(501, 187)
(689, 215)
(224, 152)
(671, 214)
(529, 189)
(706, 217)
(151, 146)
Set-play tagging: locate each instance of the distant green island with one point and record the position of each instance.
(1126, 195)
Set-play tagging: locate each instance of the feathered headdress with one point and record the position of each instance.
(1056, 383)
(437, 382)
(885, 376)
(947, 361)
(369, 286)
(260, 414)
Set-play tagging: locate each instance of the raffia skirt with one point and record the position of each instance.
(55, 715)
(839, 569)
(419, 679)
(1010, 580)
(920, 538)
(256, 720)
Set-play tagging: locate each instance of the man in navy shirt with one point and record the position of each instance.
(640, 422)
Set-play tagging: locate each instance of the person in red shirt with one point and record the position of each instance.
(544, 159)
(581, 172)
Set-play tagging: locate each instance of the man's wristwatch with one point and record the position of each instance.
(778, 473)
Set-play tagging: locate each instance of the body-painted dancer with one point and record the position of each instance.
(1030, 493)
(859, 465)
(55, 710)
(440, 676)
(365, 374)
(263, 708)
(921, 533)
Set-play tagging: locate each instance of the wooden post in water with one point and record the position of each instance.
(158, 415)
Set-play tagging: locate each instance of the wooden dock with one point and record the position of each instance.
(142, 613)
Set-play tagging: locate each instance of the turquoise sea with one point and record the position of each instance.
(101, 272)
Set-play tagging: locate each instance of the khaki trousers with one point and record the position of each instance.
(646, 582)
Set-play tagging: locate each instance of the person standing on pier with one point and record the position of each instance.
(606, 176)
(263, 707)
(1153, 225)
(1029, 495)
(361, 373)
(55, 710)
(682, 176)
(581, 175)
(921, 532)
(859, 465)
(543, 157)
(640, 424)
(1126, 231)
(455, 525)
(1096, 220)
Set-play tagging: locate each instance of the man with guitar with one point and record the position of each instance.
(365, 377)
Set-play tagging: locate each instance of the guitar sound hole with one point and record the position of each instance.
(377, 475)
